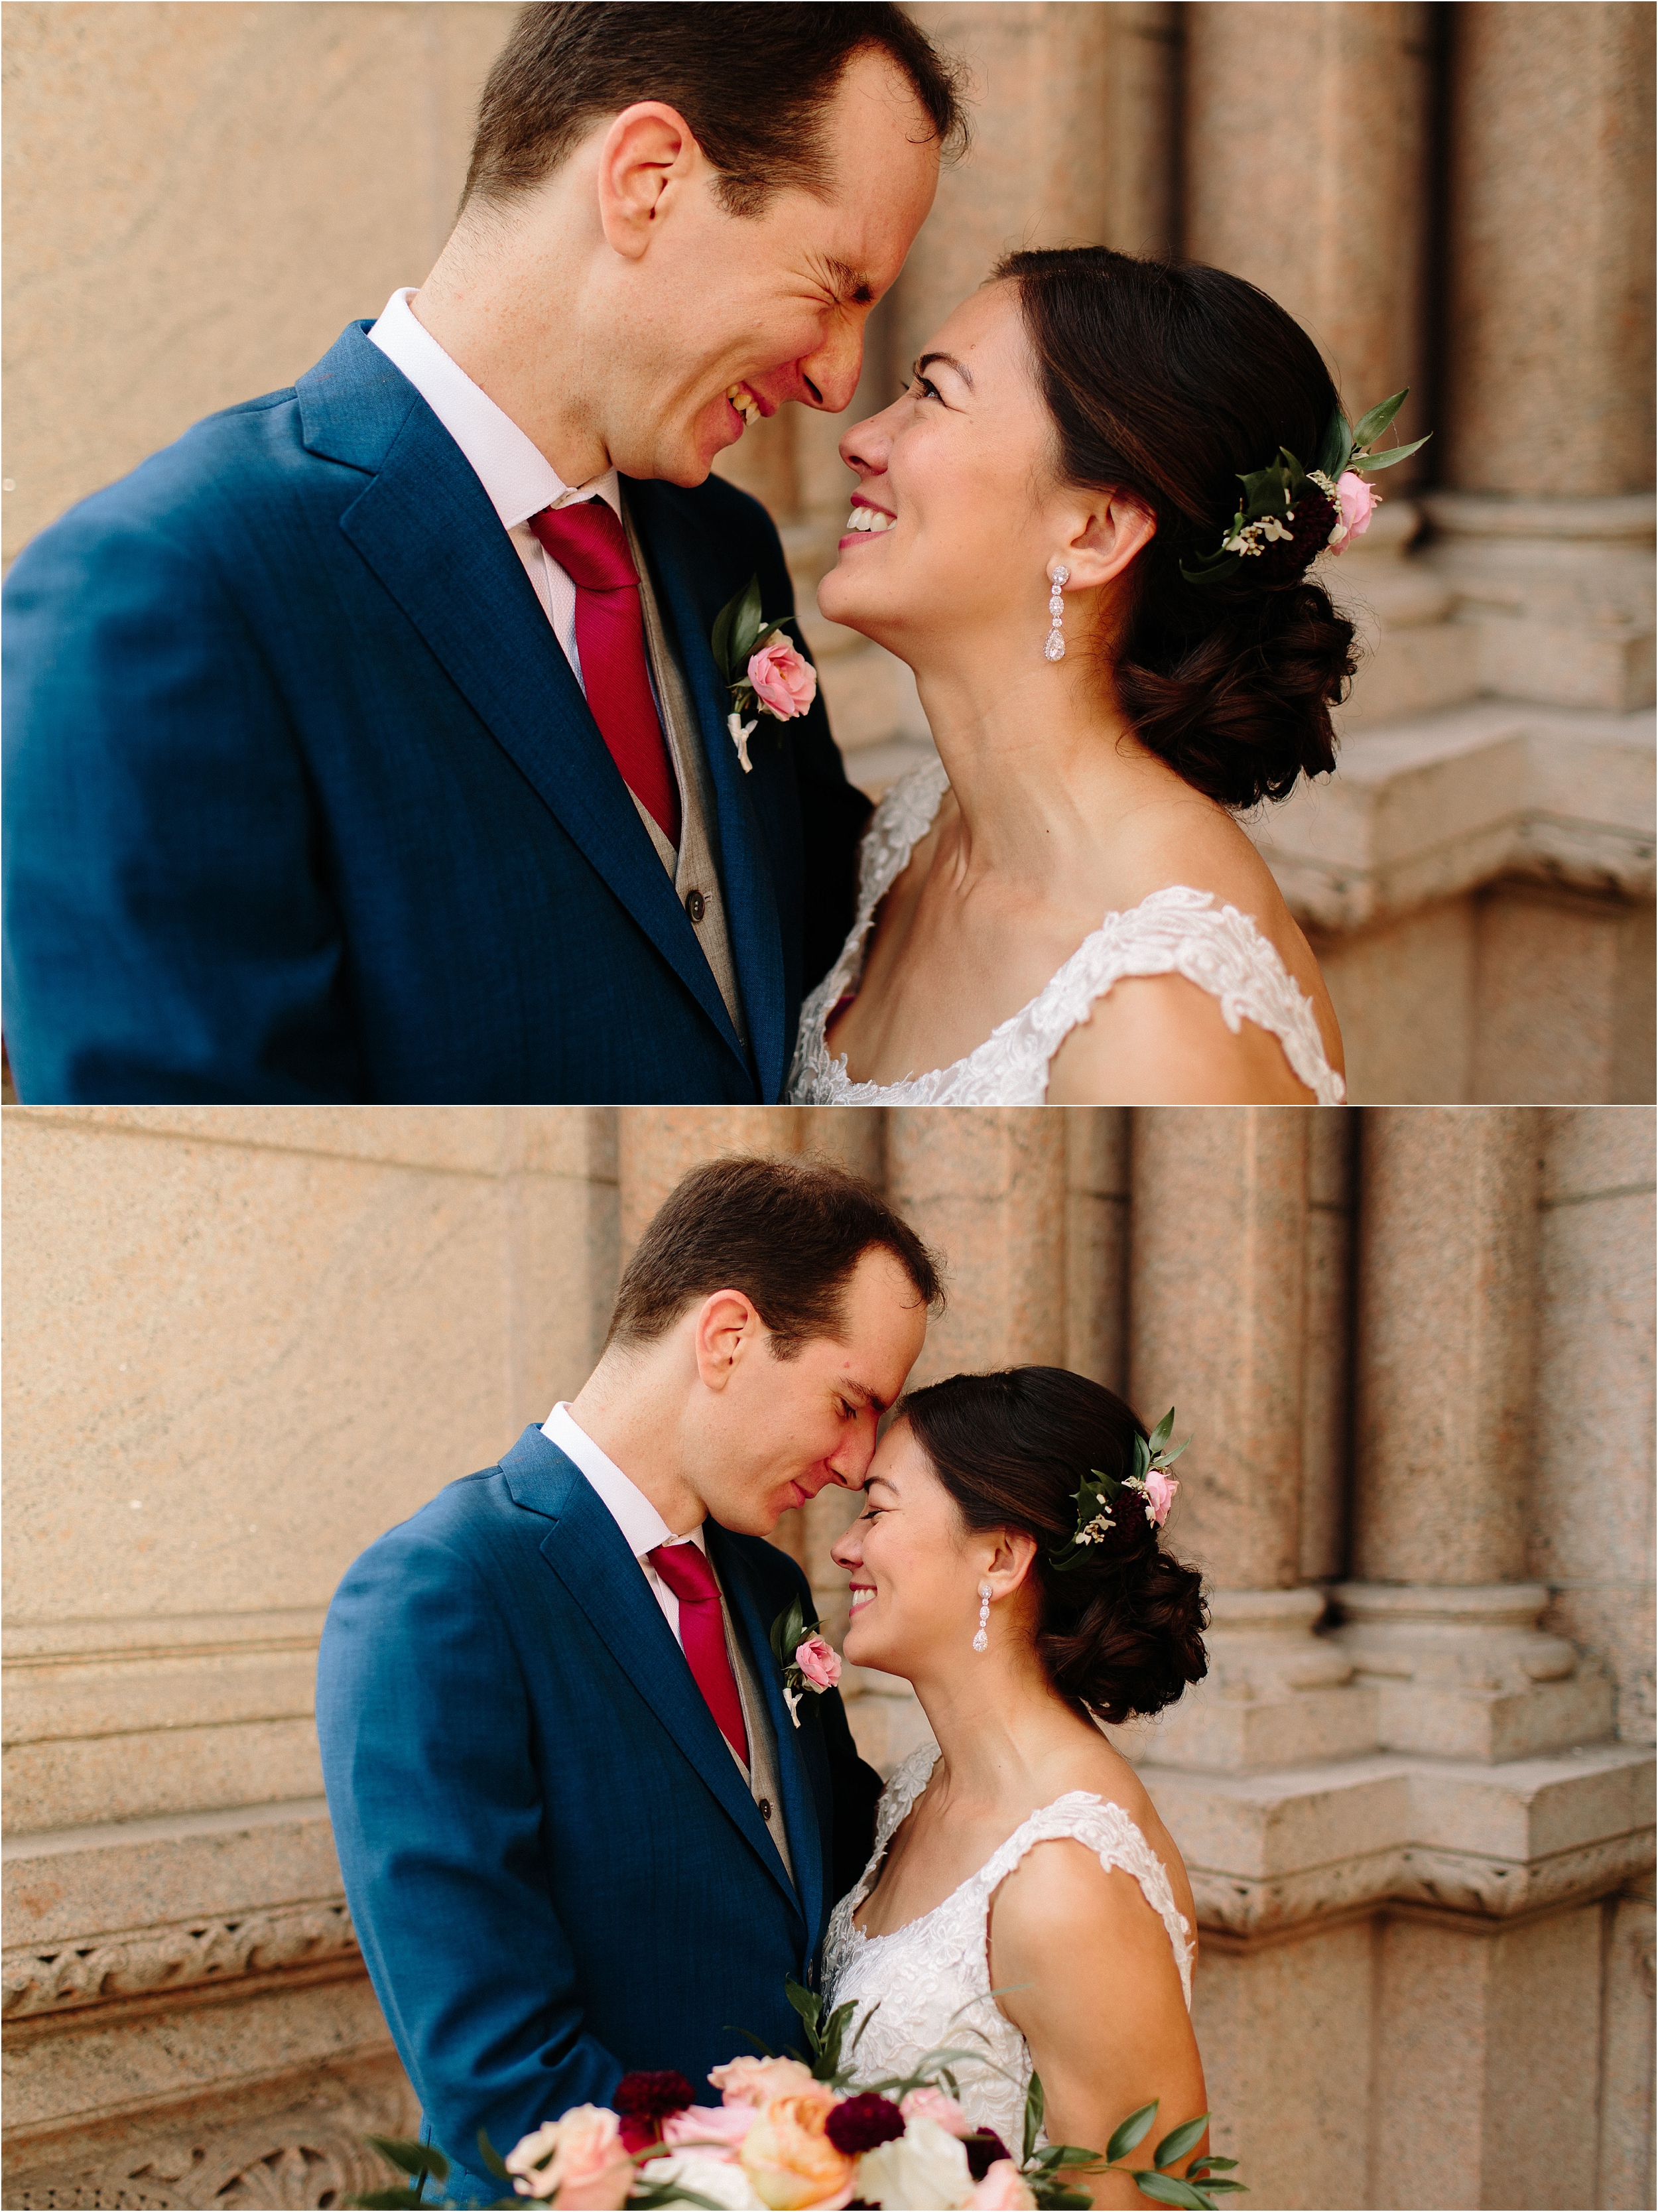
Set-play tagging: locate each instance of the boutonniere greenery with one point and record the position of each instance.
(763, 672)
(808, 1661)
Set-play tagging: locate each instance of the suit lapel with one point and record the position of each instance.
(584, 1549)
(801, 1814)
(745, 872)
(424, 524)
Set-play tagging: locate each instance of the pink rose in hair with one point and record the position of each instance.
(784, 682)
(1359, 502)
(818, 1661)
(1160, 1490)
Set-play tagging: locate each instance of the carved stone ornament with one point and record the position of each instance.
(57, 1978)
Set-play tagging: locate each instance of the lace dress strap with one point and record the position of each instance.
(910, 1779)
(1105, 1830)
(1179, 931)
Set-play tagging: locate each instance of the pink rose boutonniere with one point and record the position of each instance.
(760, 668)
(808, 1661)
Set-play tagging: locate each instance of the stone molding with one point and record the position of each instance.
(58, 1978)
(1428, 810)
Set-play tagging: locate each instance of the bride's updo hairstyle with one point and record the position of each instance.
(1122, 1632)
(1168, 381)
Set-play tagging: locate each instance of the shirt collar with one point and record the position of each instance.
(633, 1512)
(516, 474)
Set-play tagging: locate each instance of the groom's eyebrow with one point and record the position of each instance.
(950, 361)
(852, 286)
(862, 1390)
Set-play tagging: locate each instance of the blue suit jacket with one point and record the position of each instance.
(554, 1867)
(303, 801)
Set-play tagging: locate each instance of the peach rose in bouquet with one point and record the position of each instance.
(788, 2157)
(579, 2159)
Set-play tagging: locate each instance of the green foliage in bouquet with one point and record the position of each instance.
(1045, 2169)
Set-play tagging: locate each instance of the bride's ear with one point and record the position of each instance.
(1010, 1561)
(1113, 531)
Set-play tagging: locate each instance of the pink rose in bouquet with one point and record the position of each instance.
(820, 1662)
(931, 2104)
(716, 2130)
(784, 682)
(579, 2159)
(788, 2157)
(1003, 2189)
(758, 2081)
(1359, 502)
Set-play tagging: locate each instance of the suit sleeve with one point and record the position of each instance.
(858, 1789)
(436, 1805)
(167, 932)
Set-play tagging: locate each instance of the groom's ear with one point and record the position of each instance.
(726, 1324)
(647, 157)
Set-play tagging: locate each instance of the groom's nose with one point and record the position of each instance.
(829, 377)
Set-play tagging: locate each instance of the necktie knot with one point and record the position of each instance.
(685, 1567)
(587, 540)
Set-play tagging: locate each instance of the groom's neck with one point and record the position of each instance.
(504, 300)
(637, 1427)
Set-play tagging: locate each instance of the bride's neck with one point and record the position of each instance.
(1043, 764)
(996, 1723)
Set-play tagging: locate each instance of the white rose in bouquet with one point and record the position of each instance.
(718, 2179)
(923, 2170)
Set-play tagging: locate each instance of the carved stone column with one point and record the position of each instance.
(1096, 1243)
(1218, 1324)
(1441, 1618)
(1546, 515)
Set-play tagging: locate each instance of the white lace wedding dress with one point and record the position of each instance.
(930, 1978)
(1175, 932)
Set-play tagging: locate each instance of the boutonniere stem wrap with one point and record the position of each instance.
(1290, 515)
(763, 672)
(809, 1662)
(1151, 1486)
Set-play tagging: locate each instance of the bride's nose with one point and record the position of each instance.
(864, 447)
(846, 1550)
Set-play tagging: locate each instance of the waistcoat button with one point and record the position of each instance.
(695, 905)
(764, 1804)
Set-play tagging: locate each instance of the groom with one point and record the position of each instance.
(368, 743)
(580, 1832)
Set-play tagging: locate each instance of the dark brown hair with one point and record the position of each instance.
(751, 81)
(788, 1233)
(1168, 382)
(1123, 1632)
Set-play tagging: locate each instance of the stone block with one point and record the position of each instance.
(886, 1716)
(1591, 1155)
(72, 1781)
(1327, 1366)
(1096, 1243)
(1290, 2011)
(1473, 2104)
(1625, 2162)
(200, 212)
(656, 1150)
(1552, 1020)
(1403, 993)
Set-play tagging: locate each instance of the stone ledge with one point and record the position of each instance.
(1427, 810)
(1272, 1851)
(52, 1979)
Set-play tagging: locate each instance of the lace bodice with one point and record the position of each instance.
(930, 1978)
(1175, 932)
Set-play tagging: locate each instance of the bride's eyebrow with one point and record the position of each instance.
(950, 361)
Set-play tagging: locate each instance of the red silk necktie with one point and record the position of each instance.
(685, 1569)
(589, 544)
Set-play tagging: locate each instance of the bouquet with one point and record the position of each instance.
(800, 2134)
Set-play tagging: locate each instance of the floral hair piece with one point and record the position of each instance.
(1287, 505)
(1150, 1482)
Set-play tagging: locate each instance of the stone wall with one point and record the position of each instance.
(1414, 1795)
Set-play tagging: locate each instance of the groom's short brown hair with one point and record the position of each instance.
(787, 1233)
(750, 81)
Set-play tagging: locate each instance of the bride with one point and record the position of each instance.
(1023, 1898)
(1064, 907)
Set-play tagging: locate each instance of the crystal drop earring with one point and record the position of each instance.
(982, 1641)
(1054, 649)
